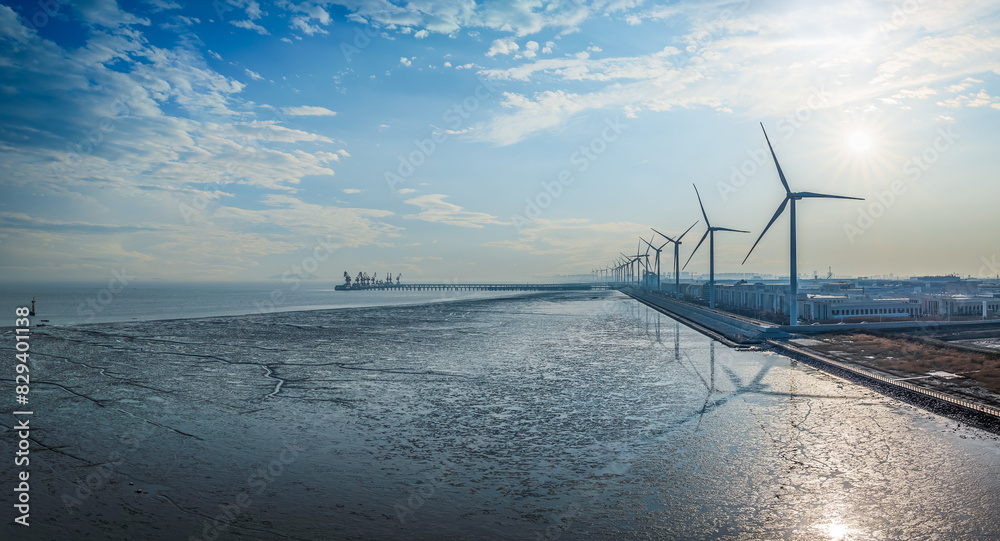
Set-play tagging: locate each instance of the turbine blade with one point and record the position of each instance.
(780, 174)
(664, 236)
(733, 230)
(686, 232)
(700, 205)
(781, 208)
(707, 231)
(826, 196)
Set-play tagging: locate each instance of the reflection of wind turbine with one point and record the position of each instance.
(677, 263)
(711, 386)
(710, 233)
(793, 304)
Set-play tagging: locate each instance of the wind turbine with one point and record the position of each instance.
(640, 277)
(793, 303)
(657, 250)
(677, 245)
(641, 273)
(628, 263)
(710, 233)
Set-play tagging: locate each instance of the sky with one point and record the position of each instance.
(493, 141)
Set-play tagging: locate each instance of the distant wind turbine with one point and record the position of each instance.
(710, 233)
(677, 263)
(645, 262)
(629, 261)
(793, 304)
(639, 277)
(657, 250)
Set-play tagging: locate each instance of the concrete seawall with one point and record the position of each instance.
(740, 330)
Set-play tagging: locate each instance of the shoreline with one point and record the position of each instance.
(468, 296)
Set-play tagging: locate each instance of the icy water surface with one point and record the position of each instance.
(575, 415)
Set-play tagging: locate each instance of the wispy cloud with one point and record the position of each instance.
(250, 25)
(434, 208)
(308, 110)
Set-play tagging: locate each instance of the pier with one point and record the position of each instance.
(473, 287)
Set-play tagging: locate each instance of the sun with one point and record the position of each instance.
(859, 141)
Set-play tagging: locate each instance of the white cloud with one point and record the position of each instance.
(405, 61)
(433, 208)
(250, 25)
(732, 64)
(308, 110)
(503, 46)
(520, 17)
(286, 40)
(530, 49)
(351, 190)
(421, 34)
(406, 191)
(980, 99)
(253, 74)
(303, 25)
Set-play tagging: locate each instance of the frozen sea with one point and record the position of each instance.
(580, 415)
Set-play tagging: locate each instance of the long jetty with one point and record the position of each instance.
(473, 287)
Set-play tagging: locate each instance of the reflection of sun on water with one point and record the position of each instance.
(837, 531)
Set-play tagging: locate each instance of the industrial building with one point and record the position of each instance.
(860, 299)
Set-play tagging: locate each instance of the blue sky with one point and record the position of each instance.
(237, 140)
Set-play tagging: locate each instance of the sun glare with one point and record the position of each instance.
(837, 531)
(859, 141)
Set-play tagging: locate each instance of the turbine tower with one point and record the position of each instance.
(657, 250)
(793, 286)
(642, 272)
(628, 263)
(710, 233)
(677, 245)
